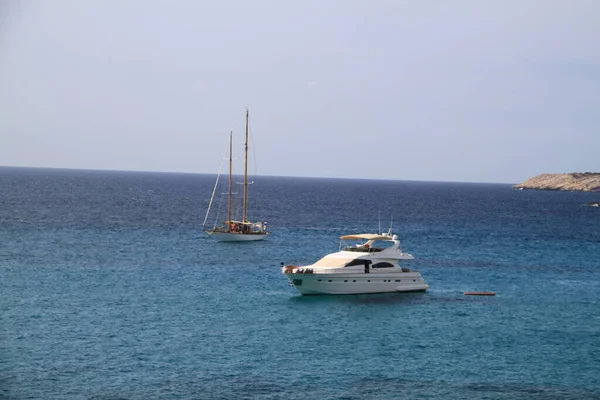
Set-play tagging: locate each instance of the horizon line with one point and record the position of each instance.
(257, 175)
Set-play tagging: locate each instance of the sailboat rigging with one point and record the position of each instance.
(233, 230)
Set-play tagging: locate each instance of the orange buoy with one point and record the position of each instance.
(479, 293)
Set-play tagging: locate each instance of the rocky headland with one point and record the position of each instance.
(579, 181)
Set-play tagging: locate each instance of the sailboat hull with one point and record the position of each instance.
(237, 237)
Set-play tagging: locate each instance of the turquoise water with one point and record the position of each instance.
(110, 290)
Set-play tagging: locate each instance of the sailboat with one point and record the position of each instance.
(232, 230)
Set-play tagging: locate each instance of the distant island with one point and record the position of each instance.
(578, 181)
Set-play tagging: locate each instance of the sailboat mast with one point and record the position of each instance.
(229, 184)
(245, 172)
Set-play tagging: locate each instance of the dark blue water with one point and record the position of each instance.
(110, 290)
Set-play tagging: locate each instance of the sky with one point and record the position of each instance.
(463, 90)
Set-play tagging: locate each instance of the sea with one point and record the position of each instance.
(109, 289)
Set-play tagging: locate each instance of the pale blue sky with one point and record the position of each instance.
(481, 91)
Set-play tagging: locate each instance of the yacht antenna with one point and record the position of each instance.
(379, 221)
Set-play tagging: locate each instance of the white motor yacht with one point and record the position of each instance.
(370, 266)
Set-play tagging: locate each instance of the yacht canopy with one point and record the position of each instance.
(366, 236)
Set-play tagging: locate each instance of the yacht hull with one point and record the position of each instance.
(308, 284)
